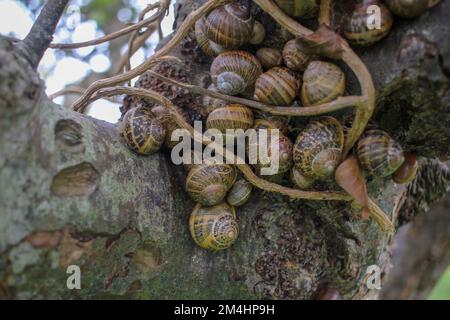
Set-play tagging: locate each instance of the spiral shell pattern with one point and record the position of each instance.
(214, 228)
(239, 193)
(293, 56)
(207, 46)
(230, 25)
(169, 123)
(299, 8)
(318, 148)
(142, 131)
(322, 82)
(208, 184)
(235, 72)
(299, 180)
(277, 86)
(233, 116)
(356, 30)
(378, 153)
(269, 57)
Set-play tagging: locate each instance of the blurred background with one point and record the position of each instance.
(89, 19)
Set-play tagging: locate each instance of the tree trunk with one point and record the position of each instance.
(73, 194)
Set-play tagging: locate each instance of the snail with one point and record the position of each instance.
(258, 33)
(299, 180)
(269, 57)
(143, 132)
(239, 193)
(233, 116)
(267, 121)
(211, 103)
(407, 8)
(318, 148)
(356, 28)
(299, 8)
(322, 82)
(277, 86)
(208, 184)
(207, 46)
(230, 26)
(407, 171)
(169, 123)
(214, 228)
(235, 72)
(378, 153)
(293, 56)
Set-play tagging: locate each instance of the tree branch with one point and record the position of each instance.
(41, 34)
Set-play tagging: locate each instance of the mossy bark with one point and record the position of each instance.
(72, 193)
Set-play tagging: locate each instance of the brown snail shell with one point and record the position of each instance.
(378, 153)
(407, 171)
(322, 82)
(239, 193)
(211, 103)
(407, 8)
(209, 47)
(143, 132)
(269, 57)
(214, 228)
(233, 116)
(299, 8)
(267, 121)
(299, 180)
(208, 184)
(258, 33)
(293, 56)
(230, 26)
(277, 86)
(235, 72)
(318, 148)
(169, 123)
(356, 30)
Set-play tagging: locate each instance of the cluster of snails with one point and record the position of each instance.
(279, 78)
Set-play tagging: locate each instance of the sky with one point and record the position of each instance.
(16, 20)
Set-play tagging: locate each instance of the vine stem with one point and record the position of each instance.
(325, 12)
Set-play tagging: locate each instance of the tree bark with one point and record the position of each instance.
(72, 193)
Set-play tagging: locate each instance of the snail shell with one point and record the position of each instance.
(143, 132)
(169, 123)
(258, 34)
(299, 180)
(293, 56)
(239, 193)
(407, 171)
(407, 8)
(299, 8)
(277, 86)
(318, 148)
(230, 25)
(209, 47)
(208, 184)
(265, 120)
(233, 116)
(211, 103)
(235, 72)
(269, 57)
(322, 82)
(356, 27)
(378, 153)
(214, 228)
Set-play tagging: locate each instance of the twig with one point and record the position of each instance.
(41, 33)
(325, 12)
(72, 90)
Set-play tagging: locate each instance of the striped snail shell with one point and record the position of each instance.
(293, 56)
(233, 116)
(269, 57)
(378, 153)
(318, 148)
(143, 132)
(266, 120)
(169, 123)
(277, 86)
(214, 228)
(299, 180)
(235, 72)
(299, 8)
(211, 103)
(407, 171)
(356, 28)
(209, 47)
(208, 184)
(239, 193)
(258, 33)
(322, 82)
(407, 8)
(230, 26)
